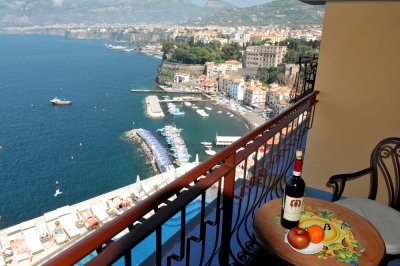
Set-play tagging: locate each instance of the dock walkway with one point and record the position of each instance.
(159, 153)
(153, 107)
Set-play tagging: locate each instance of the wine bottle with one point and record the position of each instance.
(293, 197)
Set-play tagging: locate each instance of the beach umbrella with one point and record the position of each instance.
(138, 190)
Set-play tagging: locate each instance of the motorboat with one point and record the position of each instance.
(206, 143)
(210, 152)
(57, 101)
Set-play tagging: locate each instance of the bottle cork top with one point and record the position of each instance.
(299, 154)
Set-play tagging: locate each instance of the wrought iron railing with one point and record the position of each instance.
(305, 78)
(229, 187)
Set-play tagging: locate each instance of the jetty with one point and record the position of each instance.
(160, 155)
(149, 91)
(153, 107)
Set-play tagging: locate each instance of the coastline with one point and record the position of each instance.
(250, 119)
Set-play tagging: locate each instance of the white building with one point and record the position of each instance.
(236, 89)
(278, 97)
(181, 77)
(255, 96)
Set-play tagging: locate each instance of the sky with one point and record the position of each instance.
(239, 3)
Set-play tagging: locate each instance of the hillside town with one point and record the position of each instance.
(261, 48)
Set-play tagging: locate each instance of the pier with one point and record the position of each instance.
(153, 107)
(149, 91)
(160, 155)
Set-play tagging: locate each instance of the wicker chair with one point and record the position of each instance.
(385, 168)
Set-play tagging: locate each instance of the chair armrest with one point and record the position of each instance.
(339, 181)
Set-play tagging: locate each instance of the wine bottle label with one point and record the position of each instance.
(292, 208)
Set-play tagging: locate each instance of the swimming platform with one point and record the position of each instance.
(159, 153)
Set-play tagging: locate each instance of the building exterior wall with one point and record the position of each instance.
(352, 114)
(264, 56)
(255, 97)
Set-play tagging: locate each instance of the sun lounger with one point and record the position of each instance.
(31, 237)
(50, 219)
(17, 243)
(99, 210)
(88, 218)
(67, 221)
(113, 209)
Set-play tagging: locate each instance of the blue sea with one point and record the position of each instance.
(39, 140)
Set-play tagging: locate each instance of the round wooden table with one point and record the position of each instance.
(271, 234)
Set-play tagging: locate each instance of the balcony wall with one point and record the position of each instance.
(358, 77)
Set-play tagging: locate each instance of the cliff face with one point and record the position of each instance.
(166, 71)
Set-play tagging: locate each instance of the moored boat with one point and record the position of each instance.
(57, 101)
(210, 152)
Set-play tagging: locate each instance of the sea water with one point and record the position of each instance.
(81, 146)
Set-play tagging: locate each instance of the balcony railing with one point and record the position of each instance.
(229, 187)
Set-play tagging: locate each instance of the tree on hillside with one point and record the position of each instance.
(298, 47)
(167, 48)
(199, 53)
(271, 75)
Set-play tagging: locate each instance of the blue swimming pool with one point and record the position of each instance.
(147, 247)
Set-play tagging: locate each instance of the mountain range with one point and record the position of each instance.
(44, 12)
(278, 12)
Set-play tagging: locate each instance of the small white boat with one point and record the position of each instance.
(206, 143)
(231, 115)
(202, 113)
(57, 101)
(208, 108)
(219, 112)
(187, 104)
(210, 152)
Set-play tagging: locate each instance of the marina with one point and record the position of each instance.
(178, 147)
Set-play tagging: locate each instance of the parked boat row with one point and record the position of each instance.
(173, 110)
(178, 147)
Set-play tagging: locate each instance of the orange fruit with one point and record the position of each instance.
(316, 233)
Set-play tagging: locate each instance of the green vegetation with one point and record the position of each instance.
(271, 75)
(200, 53)
(298, 47)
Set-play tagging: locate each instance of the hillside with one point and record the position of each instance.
(20, 13)
(278, 12)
